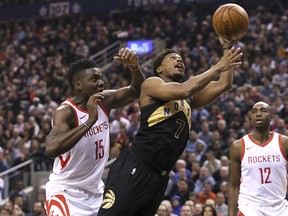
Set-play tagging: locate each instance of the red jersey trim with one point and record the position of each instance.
(243, 149)
(104, 110)
(281, 147)
(100, 105)
(259, 144)
(72, 102)
(64, 162)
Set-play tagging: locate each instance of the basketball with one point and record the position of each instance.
(230, 21)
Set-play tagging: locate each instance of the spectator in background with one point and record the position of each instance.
(223, 176)
(186, 211)
(5, 212)
(17, 210)
(38, 210)
(221, 207)
(119, 120)
(19, 125)
(203, 177)
(19, 196)
(210, 202)
(15, 138)
(205, 134)
(206, 193)
(182, 190)
(169, 207)
(211, 163)
(193, 141)
(208, 210)
(37, 109)
(191, 204)
(180, 164)
(2, 184)
(3, 163)
(198, 209)
(176, 204)
(162, 210)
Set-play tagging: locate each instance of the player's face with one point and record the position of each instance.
(173, 67)
(260, 115)
(91, 82)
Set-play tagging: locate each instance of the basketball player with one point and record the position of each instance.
(258, 169)
(138, 178)
(79, 139)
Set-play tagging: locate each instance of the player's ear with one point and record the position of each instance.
(159, 70)
(77, 85)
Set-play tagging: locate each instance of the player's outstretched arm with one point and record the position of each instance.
(157, 88)
(235, 174)
(126, 95)
(215, 88)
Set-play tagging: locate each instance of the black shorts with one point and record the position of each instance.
(132, 188)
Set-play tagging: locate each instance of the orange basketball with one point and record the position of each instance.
(230, 21)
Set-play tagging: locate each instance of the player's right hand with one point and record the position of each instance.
(92, 106)
(127, 56)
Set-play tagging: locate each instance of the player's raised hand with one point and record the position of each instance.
(92, 105)
(127, 56)
(229, 60)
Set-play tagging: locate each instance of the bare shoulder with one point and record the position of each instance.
(236, 149)
(284, 141)
(63, 113)
(151, 81)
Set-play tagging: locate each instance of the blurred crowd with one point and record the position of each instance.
(35, 54)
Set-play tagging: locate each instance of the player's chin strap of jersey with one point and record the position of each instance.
(138, 156)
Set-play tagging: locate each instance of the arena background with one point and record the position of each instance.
(39, 39)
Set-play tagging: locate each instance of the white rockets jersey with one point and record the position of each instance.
(263, 171)
(82, 167)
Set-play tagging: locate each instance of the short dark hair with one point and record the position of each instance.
(159, 58)
(79, 66)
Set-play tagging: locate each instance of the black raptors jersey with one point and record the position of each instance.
(163, 132)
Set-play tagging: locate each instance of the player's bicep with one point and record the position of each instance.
(284, 141)
(235, 162)
(61, 120)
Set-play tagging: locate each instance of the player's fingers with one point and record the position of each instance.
(118, 58)
(133, 54)
(236, 63)
(122, 52)
(235, 58)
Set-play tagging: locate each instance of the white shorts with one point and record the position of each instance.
(67, 201)
(247, 208)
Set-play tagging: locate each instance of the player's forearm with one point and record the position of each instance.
(60, 143)
(233, 201)
(137, 78)
(197, 83)
(225, 81)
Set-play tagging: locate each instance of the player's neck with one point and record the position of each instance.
(261, 136)
(80, 102)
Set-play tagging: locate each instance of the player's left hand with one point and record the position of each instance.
(127, 56)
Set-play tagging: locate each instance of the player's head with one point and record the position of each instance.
(83, 71)
(169, 63)
(261, 115)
